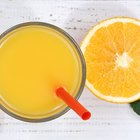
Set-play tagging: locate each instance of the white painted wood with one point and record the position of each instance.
(109, 121)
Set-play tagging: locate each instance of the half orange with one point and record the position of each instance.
(112, 54)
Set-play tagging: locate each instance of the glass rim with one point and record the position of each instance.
(83, 73)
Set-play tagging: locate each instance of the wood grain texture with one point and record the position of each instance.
(76, 17)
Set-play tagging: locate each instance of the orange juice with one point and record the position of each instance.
(35, 59)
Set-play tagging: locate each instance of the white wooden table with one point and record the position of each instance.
(109, 121)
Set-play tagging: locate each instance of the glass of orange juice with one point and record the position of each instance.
(35, 59)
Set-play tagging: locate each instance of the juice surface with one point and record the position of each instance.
(34, 61)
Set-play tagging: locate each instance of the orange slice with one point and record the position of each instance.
(112, 54)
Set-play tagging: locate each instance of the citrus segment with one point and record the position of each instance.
(112, 54)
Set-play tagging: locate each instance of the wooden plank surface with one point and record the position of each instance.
(109, 121)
